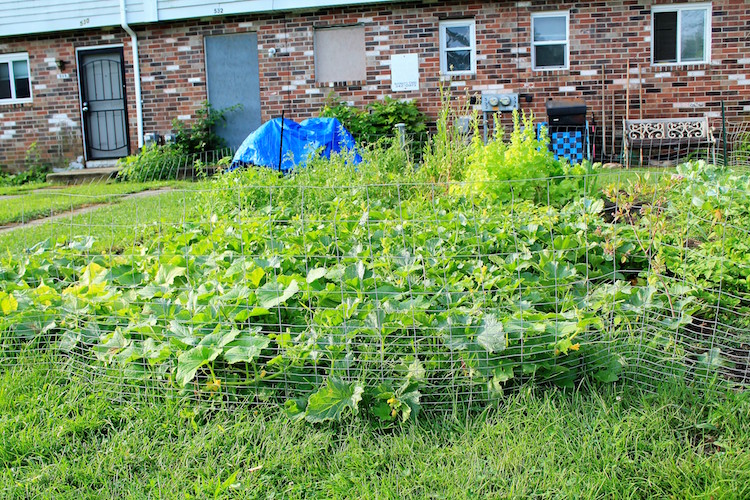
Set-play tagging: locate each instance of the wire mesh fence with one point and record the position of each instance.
(331, 291)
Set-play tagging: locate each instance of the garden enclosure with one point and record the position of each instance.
(389, 290)
(395, 296)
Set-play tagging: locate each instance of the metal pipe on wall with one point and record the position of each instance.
(136, 71)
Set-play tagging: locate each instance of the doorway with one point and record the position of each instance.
(232, 78)
(101, 77)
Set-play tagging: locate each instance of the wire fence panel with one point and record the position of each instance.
(317, 293)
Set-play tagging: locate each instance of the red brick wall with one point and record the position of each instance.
(53, 119)
(603, 34)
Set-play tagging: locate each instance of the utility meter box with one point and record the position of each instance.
(499, 102)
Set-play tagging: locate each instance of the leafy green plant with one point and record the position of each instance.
(447, 152)
(153, 163)
(35, 169)
(378, 119)
(288, 305)
(343, 290)
(200, 136)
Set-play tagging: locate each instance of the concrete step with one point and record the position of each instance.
(83, 175)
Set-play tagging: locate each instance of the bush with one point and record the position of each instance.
(446, 153)
(153, 163)
(157, 162)
(379, 119)
(35, 170)
(201, 136)
(523, 168)
(384, 163)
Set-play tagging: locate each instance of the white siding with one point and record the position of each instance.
(18, 17)
(183, 9)
(41, 16)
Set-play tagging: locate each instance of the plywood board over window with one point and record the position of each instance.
(340, 54)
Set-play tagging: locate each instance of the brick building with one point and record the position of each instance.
(69, 80)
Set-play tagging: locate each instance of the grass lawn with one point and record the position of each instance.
(14, 190)
(53, 200)
(115, 227)
(63, 436)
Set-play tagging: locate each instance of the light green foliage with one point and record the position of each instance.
(200, 136)
(35, 169)
(188, 155)
(332, 399)
(447, 152)
(523, 168)
(344, 290)
(153, 163)
(496, 298)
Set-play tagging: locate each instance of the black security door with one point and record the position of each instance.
(105, 121)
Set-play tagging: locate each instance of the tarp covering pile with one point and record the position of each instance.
(301, 141)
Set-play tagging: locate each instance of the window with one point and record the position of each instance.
(458, 54)
(549, 40)
(15, 84)
(340, 54)
(681, 34)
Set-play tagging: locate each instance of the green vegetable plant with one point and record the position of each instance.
(341, 291)
(524, 167)
(378, 119)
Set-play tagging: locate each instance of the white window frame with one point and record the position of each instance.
(10, 58)
(471, 23)
(540, 15)
(706, 33)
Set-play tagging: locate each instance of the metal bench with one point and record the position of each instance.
(667, 132)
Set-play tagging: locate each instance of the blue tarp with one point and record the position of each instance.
(301, 140)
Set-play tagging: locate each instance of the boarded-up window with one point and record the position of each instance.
(340, 54)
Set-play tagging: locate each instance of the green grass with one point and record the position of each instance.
(24, 188)
(52, 200)
(67, 434)
(115, 227)
(63, 436)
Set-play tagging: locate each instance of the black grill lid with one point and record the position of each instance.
(565, 107)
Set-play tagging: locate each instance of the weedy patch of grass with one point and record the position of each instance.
(114, 227)
(50, 201)
(24, 188)
(63, 437)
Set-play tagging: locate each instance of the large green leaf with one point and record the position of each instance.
(255, 276)
(245, 314)
(219, 337)
(330, 401)
(316, 274)
(167, 274)
(245, 348)
(491, 335)
(273, 294)
(189, 362)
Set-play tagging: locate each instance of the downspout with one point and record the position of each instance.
(136, 70)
